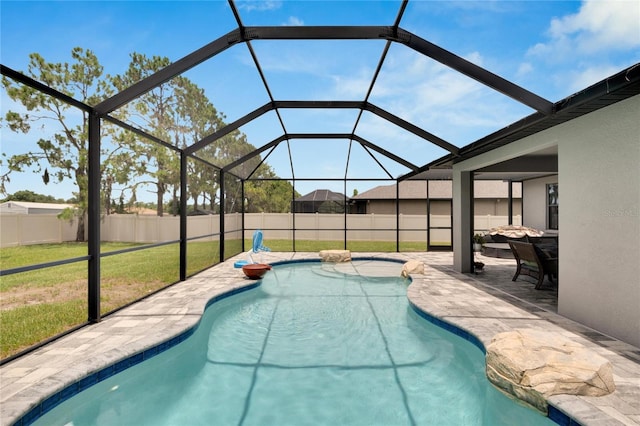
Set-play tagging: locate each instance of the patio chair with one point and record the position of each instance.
(532, 262)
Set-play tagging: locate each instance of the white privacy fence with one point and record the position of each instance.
(16, 230)
(23, 229)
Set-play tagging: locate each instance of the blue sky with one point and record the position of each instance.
(552, 48)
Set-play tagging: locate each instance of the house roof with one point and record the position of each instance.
(414, 190)
(323, 195)
(32, 205)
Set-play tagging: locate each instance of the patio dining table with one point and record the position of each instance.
(548, 250)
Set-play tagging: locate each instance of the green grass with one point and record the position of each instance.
(14, 257)
(44, 277)
(27, 325)
(42, 303)
(154, 264)
(39, 304)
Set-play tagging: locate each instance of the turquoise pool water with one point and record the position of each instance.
(315, 344)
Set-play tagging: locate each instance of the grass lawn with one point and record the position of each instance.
(39, 304)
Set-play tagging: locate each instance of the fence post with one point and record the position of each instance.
(59, 231)
(19, 230)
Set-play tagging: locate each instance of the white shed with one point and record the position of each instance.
(26, 207)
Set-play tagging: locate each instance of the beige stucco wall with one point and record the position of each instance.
(492, 206)
(599, 214)
(389, 207)
(599, 176)
(535, 195)
(496, 206)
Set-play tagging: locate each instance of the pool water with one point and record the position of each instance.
(315, 344)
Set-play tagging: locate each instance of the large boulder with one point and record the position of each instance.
(412, 267)
(335, 255)
(534, 365)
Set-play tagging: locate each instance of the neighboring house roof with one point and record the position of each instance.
(27, 205)
(322, 195)
(416, 190)
(408, 190)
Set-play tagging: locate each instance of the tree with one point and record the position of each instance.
(196, 117)
(177, 112)
(118, 166)
(63, 155)
(272, 196)
(30, 196)
(226, 150)
(156, 109)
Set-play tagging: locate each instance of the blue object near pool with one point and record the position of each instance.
(257, 242)
(256, 247)
(240, 263)
(315, 343)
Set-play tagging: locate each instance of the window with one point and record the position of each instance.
(552, 206)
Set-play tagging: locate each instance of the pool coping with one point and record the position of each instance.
(36, 382)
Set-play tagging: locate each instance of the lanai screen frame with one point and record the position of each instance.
(243, 34)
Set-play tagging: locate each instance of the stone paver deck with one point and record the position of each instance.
(483, 304)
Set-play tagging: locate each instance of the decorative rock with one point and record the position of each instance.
(412, 267)
(335, 255)
(534, 365)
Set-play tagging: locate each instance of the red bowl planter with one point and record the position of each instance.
(255, 271)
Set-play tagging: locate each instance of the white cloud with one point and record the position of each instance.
(258, 5)
(288, 61)
(443, 101)
(581, 48)
(599, 26)
(525, 68)
(428, 83)
(294, 21)
(351, 86)
(586, 77)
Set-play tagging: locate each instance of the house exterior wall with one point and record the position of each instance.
(381, 207)
(418, 207)
(599, 215)
(440, 207)
(493, 207)
(535, 196)
(496, 207)
(389, 207)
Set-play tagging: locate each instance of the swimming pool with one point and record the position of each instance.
(314, 344)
